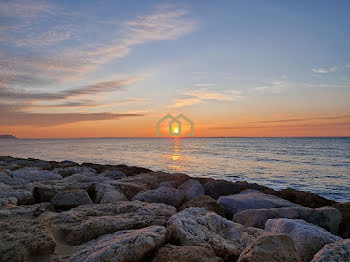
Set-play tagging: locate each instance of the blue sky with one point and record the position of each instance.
(228, 64)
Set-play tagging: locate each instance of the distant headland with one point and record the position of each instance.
(8, 137)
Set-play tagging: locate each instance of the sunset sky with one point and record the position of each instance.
(113, 68)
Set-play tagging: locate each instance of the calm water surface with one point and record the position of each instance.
(319, 165)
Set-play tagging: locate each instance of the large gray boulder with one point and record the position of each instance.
(173, 253)
(199, 227)
(68, 171)
(166, 195)
(328, 218)
(191, 189)
(7, 179)
(87, 222)
(336, 252)
(106, 194)
(34, 174)
(69, 199)
(251, 199)
(123, 246)
(307, 237)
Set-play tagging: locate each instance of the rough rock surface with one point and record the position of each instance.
(173, 253)
(166, 195)
(198, 227)
(205, 202)
(328, 218)
(336, 252)
(87, 222)
(69, 199)
(308, 238)
(174, 184)
(191, 189)
(123, 246)
(35, 174)
(271, 248)
(251, 199)
(22, 237)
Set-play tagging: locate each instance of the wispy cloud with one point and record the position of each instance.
(275, 86)
(199, 96)
(326, 70)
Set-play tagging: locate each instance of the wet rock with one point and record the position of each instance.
(35, 174)
(336, 252)
(271, 248)
(87, 222)
(308, 238)
(173, 253)
(328, 218)
(251, 199)
(207, 203)
(306, 199)
(22, 237)
(105, 194)
(199, 227)
(124, 246)
(166, 195)
(113, 174)
(69, 199)
(344, 229)
(191, 189)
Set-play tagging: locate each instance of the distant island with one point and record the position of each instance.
(7, 137)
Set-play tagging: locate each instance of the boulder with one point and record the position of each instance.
(87, 222)
(9, 201)
(124, 246)
(251, 199)
(217, 188)
(35, 174)
(205, 202)
(191, 189)
(105, 194)
(69, 199)
(113, 174)
(328, 218)
(344, 208)
(23, 237)
(129, 189)
(307, 237)
(336, 252)
(199, 227)
(166, 195)
(303, 198)
(45, 193)
(174, 184)
(271, 248)
(23, 196)
(7, 179)
(173, 253)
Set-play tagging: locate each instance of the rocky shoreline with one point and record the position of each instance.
(63, 211)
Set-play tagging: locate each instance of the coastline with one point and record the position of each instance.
(90, 208)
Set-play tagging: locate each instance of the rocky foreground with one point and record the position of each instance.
(63, 211)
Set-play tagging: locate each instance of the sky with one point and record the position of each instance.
(114, 68)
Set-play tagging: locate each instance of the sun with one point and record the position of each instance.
(176, 130)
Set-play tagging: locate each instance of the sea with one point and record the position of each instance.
(318, 165)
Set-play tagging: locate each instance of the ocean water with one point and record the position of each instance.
(319, 165)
